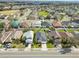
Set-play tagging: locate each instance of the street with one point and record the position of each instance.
(35, 54)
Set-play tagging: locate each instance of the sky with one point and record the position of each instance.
(40, 0)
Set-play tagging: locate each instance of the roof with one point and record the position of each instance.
(63, 34)
(41, 37)
(6, 37)
(66, 34)
(28, 34)
(57, 23)
(53, 33)
(24, 24)
(15, 23)
(46, 24)
(18, 34)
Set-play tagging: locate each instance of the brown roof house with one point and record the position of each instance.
(53, 34)
(17, 34)
(66, 34)
(24, 24)
(6, 37)
(57, 23)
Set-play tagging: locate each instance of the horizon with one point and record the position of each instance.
(44, 0)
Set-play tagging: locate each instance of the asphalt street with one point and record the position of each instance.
(39, 54)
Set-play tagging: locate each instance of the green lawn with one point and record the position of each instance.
(69, 30)
(50, 45)
(35, 46)
(43, 13)
(60, 30)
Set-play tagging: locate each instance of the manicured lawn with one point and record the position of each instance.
(40, 29)
(18, 45)
(50, 45)
(43, 13)
(69, 30)
(61, 30)
(35, 46)
(8, 12)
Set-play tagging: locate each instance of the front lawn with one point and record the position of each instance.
(43, 13)
(50, 45)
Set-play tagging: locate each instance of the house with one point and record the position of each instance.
(38, 34)
(17, 34)
(57, 23)
(66, 34)
(46, 24)
(28, 37)
(54, 34)
(65, 23)
(5, 39)
(55, 37)
(41, 37)
(24, 24)
(76, 35)
(36, 24)
(75, 23)
(63, 34)
(15, 23)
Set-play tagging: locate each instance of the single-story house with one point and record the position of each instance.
(56, 24)
(17, 34)
(36, 24)
(41, 37)
(28, 37)
(15, 23)
(54, 34)
(66, 34)
(6, 37)
(46, 24)
(24, 24)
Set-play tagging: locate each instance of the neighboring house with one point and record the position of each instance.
(38, 34)
(55, 37)
(65, 23)
(66, 34)
(46, 24)
(36, 24)
(76, 35)
(75, 23)
(54, 34)
(41, 37)
(15, 23)
(5, 39)
(63, 34)
(24, 24)
(17, 34)
(28, 37)
(57, 24)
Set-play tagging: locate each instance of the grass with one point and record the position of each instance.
(69, 30)
(43, 13)
(60, 30)
(40, 29)
(8, 12)
(50, 45)
(35, 46)
(18, 45)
